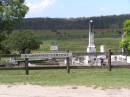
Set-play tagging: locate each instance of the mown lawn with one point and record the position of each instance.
(99, 77)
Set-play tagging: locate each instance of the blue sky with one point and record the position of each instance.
(76, 8)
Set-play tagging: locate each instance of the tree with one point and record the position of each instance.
(127, 28)
(11, 13)
(125, 44)
(22, 41)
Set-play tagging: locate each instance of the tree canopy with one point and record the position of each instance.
(114, 22)
(22, 41)
(11, 13)
(127, 29)
(125, 44)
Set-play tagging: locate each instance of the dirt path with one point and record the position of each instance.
(66, 91)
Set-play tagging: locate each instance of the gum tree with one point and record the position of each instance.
(11, 13)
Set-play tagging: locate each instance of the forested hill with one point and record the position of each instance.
(101, 22)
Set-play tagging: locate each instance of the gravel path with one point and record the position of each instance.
(65, 91)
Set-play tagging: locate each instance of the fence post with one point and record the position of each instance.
(26, 66)
(109, 60)
(68, 63)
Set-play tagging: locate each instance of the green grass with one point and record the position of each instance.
(74, 34)
(76, 40)
(117, 78)
(80, 45)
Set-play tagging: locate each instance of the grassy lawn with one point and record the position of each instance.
(76, 40)
(88, 77)
(80, 45)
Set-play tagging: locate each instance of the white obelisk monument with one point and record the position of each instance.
(90, 59)
(91, 46)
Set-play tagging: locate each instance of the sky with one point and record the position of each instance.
(76, 8)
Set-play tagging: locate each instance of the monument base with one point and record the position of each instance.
(92, 57)
(91, 49)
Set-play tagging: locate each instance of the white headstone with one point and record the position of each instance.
(102, 49)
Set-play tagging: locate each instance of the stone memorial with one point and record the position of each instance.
(91, 46)
(90, 59)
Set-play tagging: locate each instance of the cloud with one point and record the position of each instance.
(39, 5)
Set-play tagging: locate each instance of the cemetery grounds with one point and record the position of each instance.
(57, 83)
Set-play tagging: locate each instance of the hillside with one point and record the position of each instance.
(72, 33)
(102, 22)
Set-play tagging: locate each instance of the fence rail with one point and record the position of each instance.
(10, 55)
(68, 65)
